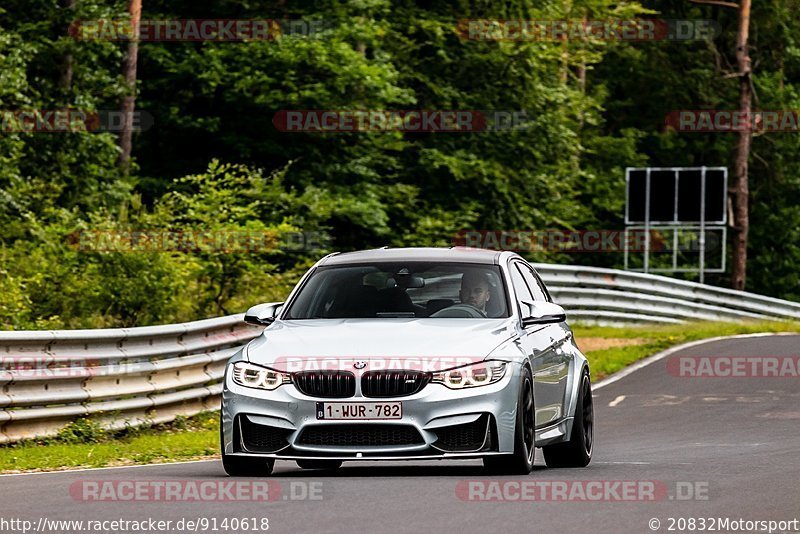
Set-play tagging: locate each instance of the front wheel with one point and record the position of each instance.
(245, 466)
(577, 452)
(521, 462)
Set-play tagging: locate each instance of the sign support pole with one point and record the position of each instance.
(647, 223)
(703, 225)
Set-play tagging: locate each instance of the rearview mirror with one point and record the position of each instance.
(406, 282)
(262, 314)
(542, 313)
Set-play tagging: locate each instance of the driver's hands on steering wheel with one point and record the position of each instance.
(468, 310)
(483, 313)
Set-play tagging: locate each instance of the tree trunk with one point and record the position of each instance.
(129, 101)
(741, 191)
(65, 79)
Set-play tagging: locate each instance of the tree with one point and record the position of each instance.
(65, 82)
(741, 185)
(129, 73)
(741, 188)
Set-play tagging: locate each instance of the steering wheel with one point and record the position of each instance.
(462, 310)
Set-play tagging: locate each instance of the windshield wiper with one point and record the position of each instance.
(395, 314)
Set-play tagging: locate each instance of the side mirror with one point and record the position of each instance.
(262, 314)
(542, 313)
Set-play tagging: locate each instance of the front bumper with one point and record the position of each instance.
(436, 423)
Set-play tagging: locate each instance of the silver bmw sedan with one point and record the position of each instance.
(409, 354)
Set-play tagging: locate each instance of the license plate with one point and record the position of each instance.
(355, 411)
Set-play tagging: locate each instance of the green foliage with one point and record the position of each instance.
(214, 162)
(82, 430)
(646, 82)
(59, 284)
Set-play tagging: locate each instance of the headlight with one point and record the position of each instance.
(253, 376)
(477, 374)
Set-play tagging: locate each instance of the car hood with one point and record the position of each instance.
(377, 338)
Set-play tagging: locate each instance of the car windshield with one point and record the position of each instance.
(393, 290)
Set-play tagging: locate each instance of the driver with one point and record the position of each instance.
(475, 290)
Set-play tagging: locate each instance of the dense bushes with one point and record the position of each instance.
(595, 108)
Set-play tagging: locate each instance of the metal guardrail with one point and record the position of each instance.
(152, 374)
(120, 377)
(614, 296)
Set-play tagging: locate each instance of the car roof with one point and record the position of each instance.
(444, 255)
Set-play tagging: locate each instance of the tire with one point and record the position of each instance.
(243, 466)
(246, 466)
(521, 461)
(577, 452)
(319, 464)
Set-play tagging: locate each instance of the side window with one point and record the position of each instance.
(520, 287)
(533, 282)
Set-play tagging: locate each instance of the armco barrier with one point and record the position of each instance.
(152, 374)
(120, 377)
(613, 296)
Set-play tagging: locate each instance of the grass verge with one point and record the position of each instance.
(84, 444)
(644, 341)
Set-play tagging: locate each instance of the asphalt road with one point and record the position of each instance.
(712, 447)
